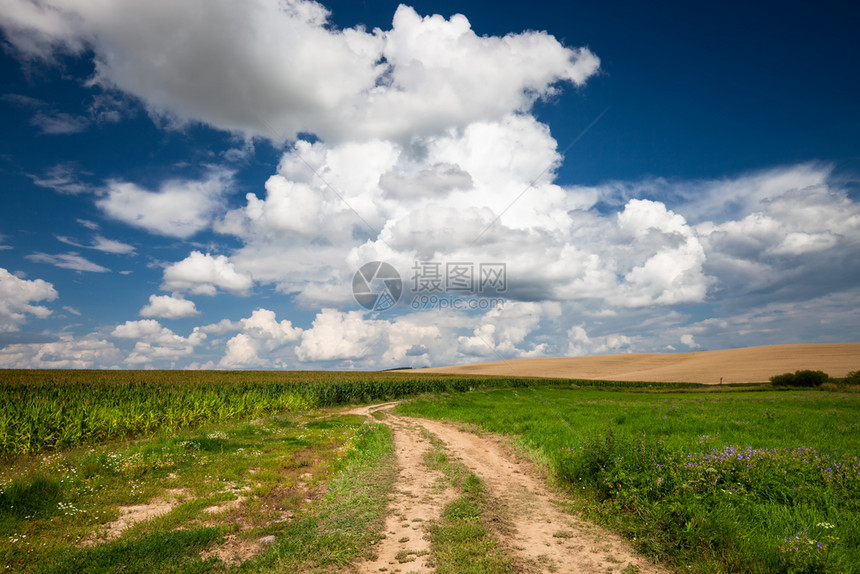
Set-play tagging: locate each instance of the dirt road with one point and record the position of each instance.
(542, 537)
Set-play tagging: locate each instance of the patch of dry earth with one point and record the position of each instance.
(131, 515)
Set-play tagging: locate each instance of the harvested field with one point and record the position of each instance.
(744, 365)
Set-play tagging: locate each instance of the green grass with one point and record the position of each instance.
(159, 552)
(78, 446)
(717, 481)
(461, 541)
(54, 506)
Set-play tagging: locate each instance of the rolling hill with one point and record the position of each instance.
(744, 365)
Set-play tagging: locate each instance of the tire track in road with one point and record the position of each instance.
(419, 497)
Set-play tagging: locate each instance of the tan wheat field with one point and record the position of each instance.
(744, 365)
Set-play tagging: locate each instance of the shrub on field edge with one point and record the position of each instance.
(803, 378)
(852, 378)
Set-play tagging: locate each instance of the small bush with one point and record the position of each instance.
(804, 378)
(810, 378)
(783, 380)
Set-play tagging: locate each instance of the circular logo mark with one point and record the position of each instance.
(376, 286)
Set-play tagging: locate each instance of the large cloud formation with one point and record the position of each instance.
(276, 68)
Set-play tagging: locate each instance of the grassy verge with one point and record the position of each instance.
(709, 482)
(351, 517)
(462, 541)
(227, 497)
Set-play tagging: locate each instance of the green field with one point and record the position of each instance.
(717, 481)
(704, 479)
(46, 410)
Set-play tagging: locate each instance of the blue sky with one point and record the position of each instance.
(195, 184)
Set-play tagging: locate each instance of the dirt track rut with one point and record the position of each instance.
(419, 497)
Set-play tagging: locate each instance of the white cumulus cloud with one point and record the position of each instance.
(180, 208)
(68, 352)
(671, 272)
(156, 343)
(580, 344)
(17, 296)
(261, 334)
(169, 307)
(338, 335)
(351, 340)
(803, 227)
(204, 274)
(503, 330)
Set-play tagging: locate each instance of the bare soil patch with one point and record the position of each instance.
(131, 515)
(745, 365)
(219, 508)
(235, 550)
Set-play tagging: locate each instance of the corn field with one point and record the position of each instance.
(52, 409)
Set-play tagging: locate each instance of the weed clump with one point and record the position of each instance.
(25, 498)
(691, 499)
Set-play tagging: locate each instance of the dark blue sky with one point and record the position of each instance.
(716, 189)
